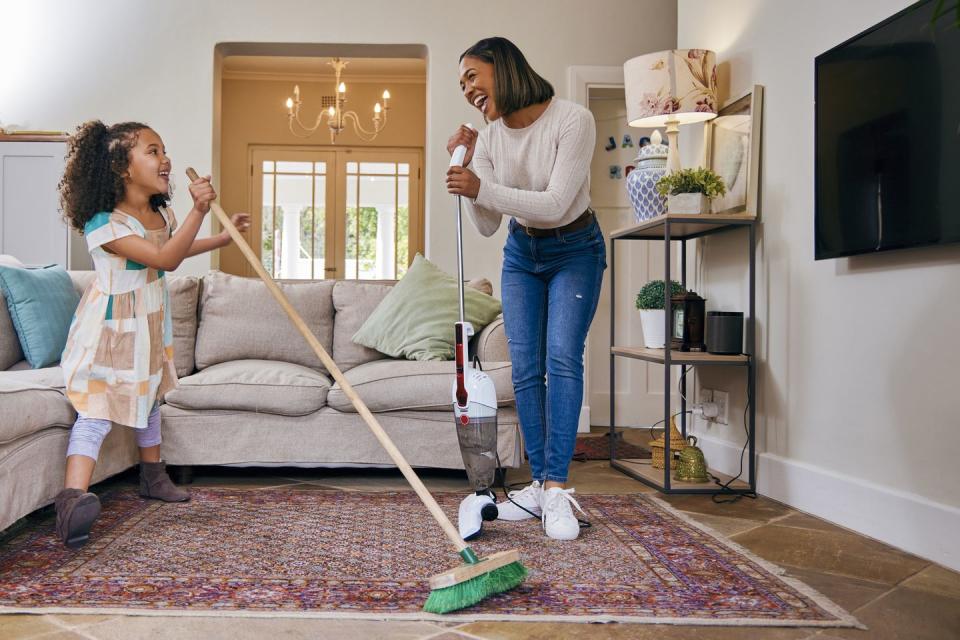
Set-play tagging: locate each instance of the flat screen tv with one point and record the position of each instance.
(887, 156)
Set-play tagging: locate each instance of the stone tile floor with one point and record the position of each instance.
(895, 594)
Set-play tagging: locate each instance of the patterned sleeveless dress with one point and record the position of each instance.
(118, 360)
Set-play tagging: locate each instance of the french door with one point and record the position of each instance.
(344, 213)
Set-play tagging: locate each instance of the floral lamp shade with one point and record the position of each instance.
(680, 84)
(671, 88)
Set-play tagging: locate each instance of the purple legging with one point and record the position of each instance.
(88, 433)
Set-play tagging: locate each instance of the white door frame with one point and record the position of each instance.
(580, 79)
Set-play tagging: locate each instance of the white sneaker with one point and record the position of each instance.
(558, 519)
(528, 498)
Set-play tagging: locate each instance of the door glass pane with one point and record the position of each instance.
(294, 167)
(403, 168)
(385, 168)
(403, 226)
(293, 227)
(351, 249)
(378, 226)
(268, 238)
(319, 227)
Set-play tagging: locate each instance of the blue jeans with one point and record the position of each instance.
(551, 286)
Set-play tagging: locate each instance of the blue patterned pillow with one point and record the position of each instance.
(41, 303)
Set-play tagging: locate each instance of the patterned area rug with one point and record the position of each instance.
(284, 552)
(597, 447)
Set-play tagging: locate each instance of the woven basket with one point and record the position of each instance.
(677, 444)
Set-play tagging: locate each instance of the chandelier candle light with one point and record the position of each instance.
(335, 114)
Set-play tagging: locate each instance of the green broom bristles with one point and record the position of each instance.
(474, 590)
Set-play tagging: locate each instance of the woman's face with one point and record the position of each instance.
(149, 166)
(476, 82)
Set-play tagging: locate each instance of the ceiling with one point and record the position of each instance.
(301, 67)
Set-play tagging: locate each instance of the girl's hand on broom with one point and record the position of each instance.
(203, 194)
(241, 221)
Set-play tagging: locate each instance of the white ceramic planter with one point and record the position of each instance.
(688, 203)
(651, 321)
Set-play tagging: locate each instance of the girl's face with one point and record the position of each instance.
(476, 82)
(149, 166)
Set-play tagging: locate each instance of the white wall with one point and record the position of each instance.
(62, 62)
(859, 357)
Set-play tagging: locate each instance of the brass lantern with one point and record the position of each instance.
(688, 322)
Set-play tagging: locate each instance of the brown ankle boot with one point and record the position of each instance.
(155, 483)
(76, 513)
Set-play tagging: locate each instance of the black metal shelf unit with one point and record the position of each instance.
(680, 228)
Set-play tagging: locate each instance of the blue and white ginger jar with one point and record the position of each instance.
(651, 164)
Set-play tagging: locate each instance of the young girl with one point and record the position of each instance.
(118, 361)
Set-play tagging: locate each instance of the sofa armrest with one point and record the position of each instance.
(491, 343)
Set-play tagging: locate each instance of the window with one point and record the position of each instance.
(349, 213)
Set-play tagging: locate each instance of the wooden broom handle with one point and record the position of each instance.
(332, 367)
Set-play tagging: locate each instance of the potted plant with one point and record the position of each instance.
(650, 303)
(690, 190)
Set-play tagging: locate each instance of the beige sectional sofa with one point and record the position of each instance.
(252, 392)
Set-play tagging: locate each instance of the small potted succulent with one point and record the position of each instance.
(690, 190)
(650, 303)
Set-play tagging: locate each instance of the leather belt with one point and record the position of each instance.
(584, 220)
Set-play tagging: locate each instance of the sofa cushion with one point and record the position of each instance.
(354, 302)
(41, 303)
(10, 351)
(394, 385)
(184, 297)
(416, 319)
(240, 320)
(263, 386)
(29, 404)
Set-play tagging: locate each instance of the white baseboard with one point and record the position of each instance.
(584, 425)
(901, 519)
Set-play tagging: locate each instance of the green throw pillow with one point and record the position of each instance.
(415, 320)
(41, 304)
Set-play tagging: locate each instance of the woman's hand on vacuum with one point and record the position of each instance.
(462, 182)
(463, 136)
(203, 194)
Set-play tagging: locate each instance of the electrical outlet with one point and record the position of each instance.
(705, 396)
(722, 400)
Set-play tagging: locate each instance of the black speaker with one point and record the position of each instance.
(725, 332)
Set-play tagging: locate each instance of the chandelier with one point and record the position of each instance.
(335, 114)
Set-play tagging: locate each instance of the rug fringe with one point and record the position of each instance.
(484, 617)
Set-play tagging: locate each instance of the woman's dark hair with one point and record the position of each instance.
(97, 159)
(515, 84)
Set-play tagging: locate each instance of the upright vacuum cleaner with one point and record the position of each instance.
(474, 411)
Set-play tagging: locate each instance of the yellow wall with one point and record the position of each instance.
(254, 114)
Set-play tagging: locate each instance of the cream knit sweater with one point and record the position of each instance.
(539, 174)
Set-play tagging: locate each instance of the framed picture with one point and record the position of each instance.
(733, 152)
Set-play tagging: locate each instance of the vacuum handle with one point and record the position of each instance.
(381, 435)
(456, 160)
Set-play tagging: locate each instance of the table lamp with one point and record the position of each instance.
(670, 88)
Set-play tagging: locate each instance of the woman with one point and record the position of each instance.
(532, 163)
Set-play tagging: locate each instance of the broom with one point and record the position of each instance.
(462, 586)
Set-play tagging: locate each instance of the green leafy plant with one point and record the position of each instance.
(651, 294)
(697, 180)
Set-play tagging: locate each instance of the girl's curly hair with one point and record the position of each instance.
(97, 159)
